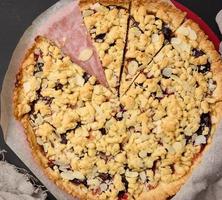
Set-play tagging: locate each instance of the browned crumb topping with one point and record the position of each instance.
(107, 25)
(149, 30)
(118, 148)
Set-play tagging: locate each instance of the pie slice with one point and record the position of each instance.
(106, 22)
(174, 102)
(152, 24)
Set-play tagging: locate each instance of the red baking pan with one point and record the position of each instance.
(191, 15)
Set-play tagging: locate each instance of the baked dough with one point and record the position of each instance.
(140, 143)
(106, 22)
(150, 27)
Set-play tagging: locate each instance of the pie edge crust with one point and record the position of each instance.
(161, 192)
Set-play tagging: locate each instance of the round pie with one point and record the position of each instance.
(140, 138)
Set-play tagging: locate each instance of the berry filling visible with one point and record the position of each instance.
(118, 146)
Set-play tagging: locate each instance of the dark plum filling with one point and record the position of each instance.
(79, 124)
(112, 44)
(100, 37)
(166, 77)
(125, 182)
(197, 53)
(78, 182)
(204, 68)
(64, 139)
(118, 118)
(167, 32)
(155, 165)
(188, 139)
(149, 154)
(172, 168)
(51, 164)
(139, 84)
(121, 147)
(46, 99)
(167, 92)
(119, 115)
(122, 195)
(154, 95)
(205, 121)
(86, 77)
(58, 86)
(103, 156)
(38, 67)
(105, 176)
(122, 109)
(103, 131)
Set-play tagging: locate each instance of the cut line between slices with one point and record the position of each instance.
(166, 41)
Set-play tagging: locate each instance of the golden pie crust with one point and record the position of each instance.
(88, 96)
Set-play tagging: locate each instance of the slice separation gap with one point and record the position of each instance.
(125, 48)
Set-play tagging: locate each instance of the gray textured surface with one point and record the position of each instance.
(17, 15)
(206, 181)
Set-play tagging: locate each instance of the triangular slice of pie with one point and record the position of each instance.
(106, 22)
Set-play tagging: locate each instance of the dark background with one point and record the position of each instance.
(17, 15)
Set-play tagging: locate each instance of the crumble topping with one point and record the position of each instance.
(149, 30)
(118, 147)
(174, 95)
(107, 25)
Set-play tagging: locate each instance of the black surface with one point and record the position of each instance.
(17, 15)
